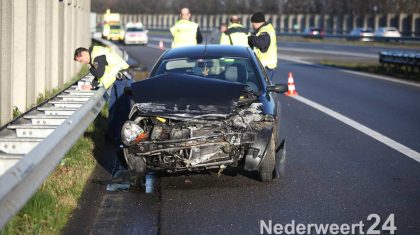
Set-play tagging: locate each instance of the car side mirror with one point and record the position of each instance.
(278, 88)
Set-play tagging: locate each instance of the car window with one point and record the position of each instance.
(238, 70)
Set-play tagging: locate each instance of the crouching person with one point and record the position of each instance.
(110, 71)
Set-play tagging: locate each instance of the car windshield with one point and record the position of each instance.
(135, 30)
(115, 27)
(229, 69)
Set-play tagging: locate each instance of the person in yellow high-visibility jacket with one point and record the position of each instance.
(264, 42)
(236, 34)
(110, 71)
(185, 32)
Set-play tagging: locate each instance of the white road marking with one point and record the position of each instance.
(362, 128)
(356, 125)
(380, 77)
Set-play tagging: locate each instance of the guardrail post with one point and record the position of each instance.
(415, 24)
(211, 21)
(5, 61)
(403, 24)
(317, 19)
(19, 60)
(390, 20)
(308, 22)
(39, 39)
(299, 21)
(275, 22)
(337, 24)
(327, 25)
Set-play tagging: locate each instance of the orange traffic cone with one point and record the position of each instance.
(291, 86)
(161, 45)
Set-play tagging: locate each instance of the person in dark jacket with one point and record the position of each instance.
(264, 42)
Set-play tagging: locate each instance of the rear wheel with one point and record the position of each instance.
(266, 169)
(136, 167)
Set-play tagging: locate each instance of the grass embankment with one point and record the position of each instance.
(375, 68)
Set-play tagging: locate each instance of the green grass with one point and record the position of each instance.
(375, 68)
(48, 211)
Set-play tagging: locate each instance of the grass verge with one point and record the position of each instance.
(48, 211)
(374, 68)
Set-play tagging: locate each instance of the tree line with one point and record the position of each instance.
(335, 7)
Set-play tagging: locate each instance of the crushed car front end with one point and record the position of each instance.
(175, 130)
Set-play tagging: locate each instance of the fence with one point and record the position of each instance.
(399, 59)
(37, 41)
(408, 24)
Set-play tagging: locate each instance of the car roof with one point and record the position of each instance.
(210, 51)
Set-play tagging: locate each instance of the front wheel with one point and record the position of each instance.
(136, 167)
(266, 169)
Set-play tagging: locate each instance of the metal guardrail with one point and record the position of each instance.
(33, 144)
(399, 59)
(353, 37)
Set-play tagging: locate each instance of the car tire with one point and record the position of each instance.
(136, 167)
(266, 169)
(280, 167)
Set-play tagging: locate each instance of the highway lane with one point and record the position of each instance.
(335, 174)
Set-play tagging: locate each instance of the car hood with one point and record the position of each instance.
(180, 95)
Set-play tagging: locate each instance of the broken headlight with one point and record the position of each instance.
(132, 133)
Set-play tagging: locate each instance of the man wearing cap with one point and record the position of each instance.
(264, 42)
(236, 34)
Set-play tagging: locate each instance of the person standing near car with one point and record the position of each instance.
(264, 42)
(236, 34)
(110, 71)
(185, 32)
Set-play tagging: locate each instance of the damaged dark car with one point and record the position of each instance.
(205, 107)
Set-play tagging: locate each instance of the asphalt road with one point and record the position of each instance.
(335, 174)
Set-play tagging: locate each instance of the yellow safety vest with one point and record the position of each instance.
(184, 33)
(269, 58)
(238, 35)
(115, 64)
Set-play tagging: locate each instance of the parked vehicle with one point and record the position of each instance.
(388, 32)
(361, 34)
(135, 34)
(205, 107)
(313, 32)
(116, 32)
